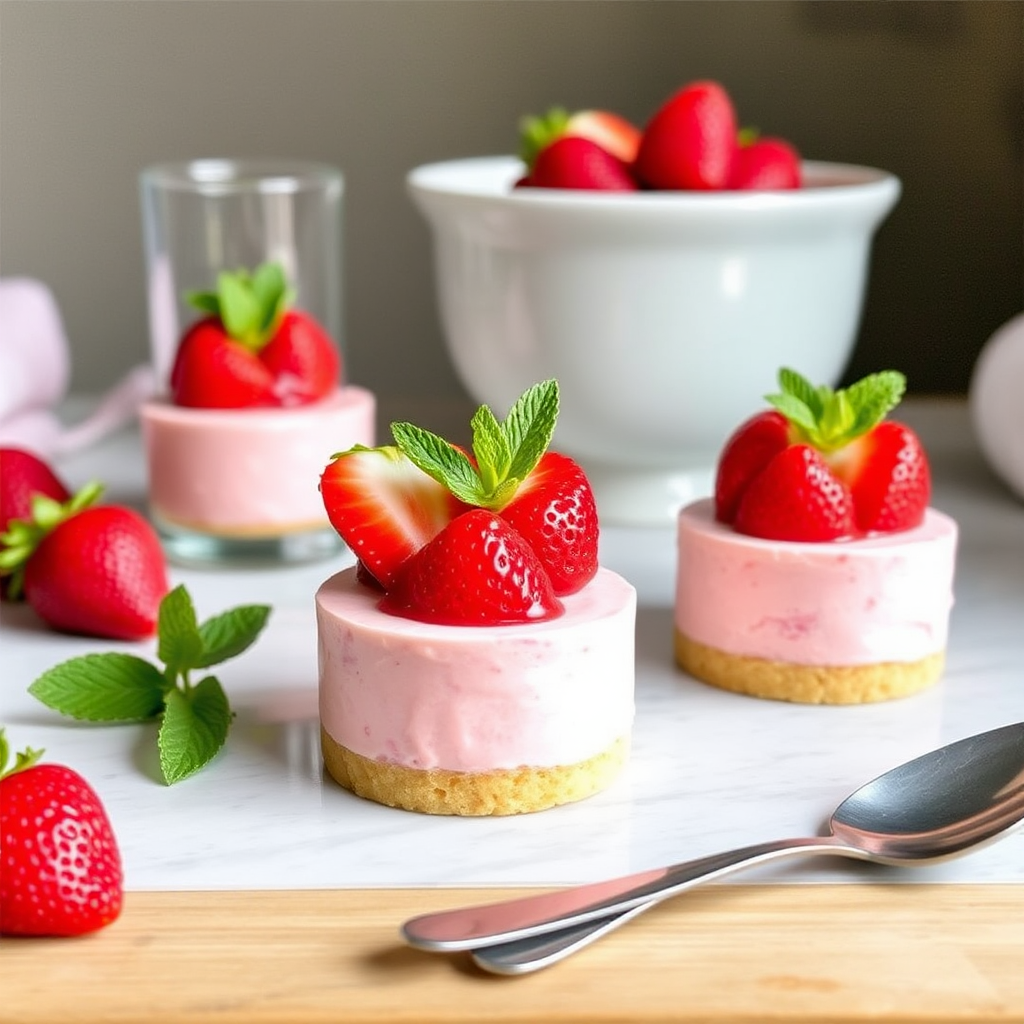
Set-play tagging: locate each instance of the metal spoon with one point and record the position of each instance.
(935, 807)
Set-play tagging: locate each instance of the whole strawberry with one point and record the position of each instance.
(23, 475)
(61, 865)
(765, 163)
(253, 349)
(93, 570)
(824, 464)
(690, 141)
(577, 163)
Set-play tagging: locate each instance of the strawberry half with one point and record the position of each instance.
(824, 464)
(614, 134)
(252, 349)
(478, 571)
(384, 507)
(62, 870)
(97, 571)
(690, 141)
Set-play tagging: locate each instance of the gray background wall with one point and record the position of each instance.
(91, 92)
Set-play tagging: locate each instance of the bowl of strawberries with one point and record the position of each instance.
(660, 274)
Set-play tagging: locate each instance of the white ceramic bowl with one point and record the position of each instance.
(664, 315)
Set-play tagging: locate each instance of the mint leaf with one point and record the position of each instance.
(227, 635)
(103, 688)
(530, 425)
(271, 291)
(194, 728)
(795, 411)
(205, 302)
(875, 396)
(491, 449)
(438, 459)
(180, 646)
(792, 383)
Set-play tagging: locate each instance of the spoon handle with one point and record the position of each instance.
(488, 925)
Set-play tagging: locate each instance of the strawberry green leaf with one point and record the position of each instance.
(239, 308)
(194, 727)
(179, 647)
(536, 133)
(228, 635)
(438, 459)
(205, 302)
(103, 688)
(22, 760)
(272, 296)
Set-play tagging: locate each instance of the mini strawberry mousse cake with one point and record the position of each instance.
(236, 448)
(477, 659)
(818, 573)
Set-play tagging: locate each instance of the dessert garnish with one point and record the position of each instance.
(97, 570)
(253, 348)
(692, 143)
(824, 465)
(512, 526)
(61, 865)
(194, 716)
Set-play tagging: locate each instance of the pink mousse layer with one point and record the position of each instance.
(477, 698)
(249, 472)
(879, 599)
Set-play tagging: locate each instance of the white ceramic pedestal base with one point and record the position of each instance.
(647, 497)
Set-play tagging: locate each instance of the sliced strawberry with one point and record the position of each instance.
(478, 571)
(888, 475)
(690, 141)
(384, 507)
(750, 448)
(795, 497)
(302, 359)
(100, 572)
(554, 510)
(576, 163)
(212, 371)
(766, 163)
(612, 132)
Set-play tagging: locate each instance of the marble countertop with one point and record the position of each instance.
(709, 770)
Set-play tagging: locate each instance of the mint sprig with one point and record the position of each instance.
(250, 305)
(504, 453)
(116, 687)
(830, 419)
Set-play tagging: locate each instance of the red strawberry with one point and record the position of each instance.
(253, 350)
(577, 163)
(831, 452)
(554, 510)
(612, 132)
(478, 571)
(383, 507)
(888, 475)
(690, 141)
(22, 475)
(213, 371)
(98, 571)
(61, 869)
(766, 163)
(795, 497)
(745, 454)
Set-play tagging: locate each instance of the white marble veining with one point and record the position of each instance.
(709, 769)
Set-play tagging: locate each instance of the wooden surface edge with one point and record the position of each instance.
(725, 953)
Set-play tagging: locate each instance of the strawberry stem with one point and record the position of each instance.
(24, 759)
(249, 305)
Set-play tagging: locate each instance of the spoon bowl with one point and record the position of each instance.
(940, 805)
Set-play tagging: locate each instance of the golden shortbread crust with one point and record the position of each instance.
(439, 791)
(807, 684)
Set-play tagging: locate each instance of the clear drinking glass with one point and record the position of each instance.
(199, 218)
